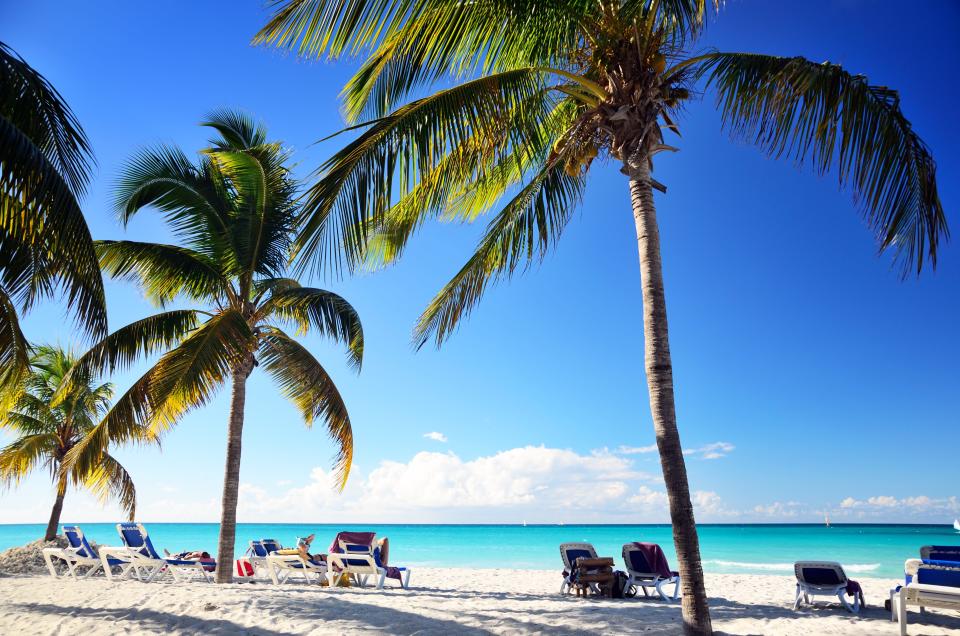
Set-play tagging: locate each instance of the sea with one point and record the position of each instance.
(869, 550)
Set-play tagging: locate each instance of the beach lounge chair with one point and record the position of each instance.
(357, 556)
(647, 567)
(940, 553)
(139, 552)
(569, 553)
(929, 583)
(80, 554)
(826, 578)
(281, 567)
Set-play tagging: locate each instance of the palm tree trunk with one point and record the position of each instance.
(231, 478)
(659, 369)
(54, 524)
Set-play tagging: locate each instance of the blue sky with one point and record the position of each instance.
(809, 377)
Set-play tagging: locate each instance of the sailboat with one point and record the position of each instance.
(826, 519)
(956, 525)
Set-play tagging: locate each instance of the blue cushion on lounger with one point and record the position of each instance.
(821, 576)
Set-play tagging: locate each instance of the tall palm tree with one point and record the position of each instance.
(532, 92)
(234, 212)
(45, 164)
(47, 428)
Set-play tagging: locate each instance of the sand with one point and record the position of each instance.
(441, 601)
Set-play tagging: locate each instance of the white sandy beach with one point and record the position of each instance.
(442, 601)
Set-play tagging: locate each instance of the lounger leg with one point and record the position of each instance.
(893, 605)
(796, 601)
(53, 570)
(406, 580)
(902, 611)
(381, 580)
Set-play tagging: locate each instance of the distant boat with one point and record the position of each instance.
(956, 525)
(524, 524)
(826, 519)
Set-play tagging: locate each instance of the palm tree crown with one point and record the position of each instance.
(48, 422)
(235, 211)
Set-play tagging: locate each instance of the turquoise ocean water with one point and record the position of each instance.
(864, 550)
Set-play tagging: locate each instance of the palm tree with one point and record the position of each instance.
(234, 211)
(47, 428)
(532, 92)
(45, 165)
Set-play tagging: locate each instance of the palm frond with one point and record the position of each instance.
(19, 458)
(45, 164)
(126, 345)
(110, 480)
(184, 378)
(14, 351)
(238, 131)
(307, 384)
(163, 271)
(796, 108)
(522, 233)
(357, 186)
(322, 310)
(194, 200)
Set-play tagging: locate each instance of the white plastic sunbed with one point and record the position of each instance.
(361, 561)
(570, 552)
(945, 594)
(282, 566)
(641, 573)
(80, 554)
(138, 551)
(823, 578)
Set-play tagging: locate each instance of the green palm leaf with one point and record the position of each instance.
(322, 310)
(357, 185)
(163, 271)
(818, 112)
(45, 163)
(523, 232)
(110, 480)
(307, 384)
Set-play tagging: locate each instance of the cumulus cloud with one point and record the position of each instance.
(912, 505)
(435, 436)
(636, 450)
(716, 450)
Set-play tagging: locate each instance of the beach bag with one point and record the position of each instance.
(620, 579)
(244, 567)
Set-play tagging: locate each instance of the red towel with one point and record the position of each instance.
(654, 555)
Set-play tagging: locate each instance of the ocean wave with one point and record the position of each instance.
(785, 567)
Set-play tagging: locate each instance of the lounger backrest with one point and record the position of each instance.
(358, 549)
(821, 573)
(270, 545)
(940, 553)
(257, 549)
(636, 560)
(79, 542)
(135, 537)
(570, 552)
(945, 573)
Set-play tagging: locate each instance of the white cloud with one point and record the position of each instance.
(716, 450)
(435, 436)
(778, 509)
(908, 505)
(636, 450)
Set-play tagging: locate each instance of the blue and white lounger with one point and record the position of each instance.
(929, 583)
(138, 550)
(282, 566)
(80, 554)
(360, 562)
(569, 553)
(643, 574)
(823, 578)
